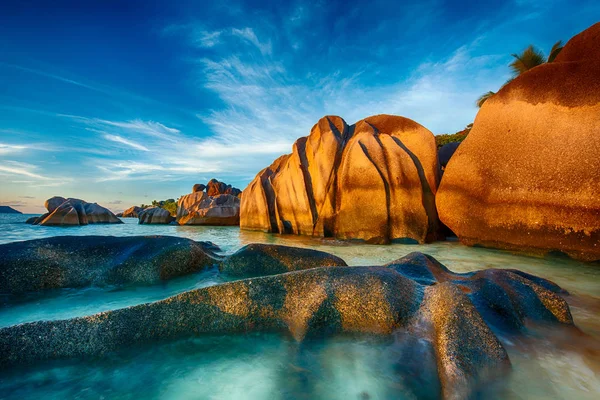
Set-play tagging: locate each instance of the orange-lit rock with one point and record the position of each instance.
(528, 175)
(155, 215)
(70, 211)
(198, 208)
(375, 181)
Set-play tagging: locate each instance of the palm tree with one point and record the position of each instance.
(528, 59)
(558, 46)
(484, 97)
(532, 57)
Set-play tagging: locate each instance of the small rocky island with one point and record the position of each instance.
(9, 210)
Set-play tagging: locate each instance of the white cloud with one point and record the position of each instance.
(119, 139)
(14, 171)
(249, 35)
(7, 148)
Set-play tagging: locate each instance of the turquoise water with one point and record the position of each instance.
(548, 365)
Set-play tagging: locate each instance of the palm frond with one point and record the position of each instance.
(528, 59)
(558, 46)
(483, 98)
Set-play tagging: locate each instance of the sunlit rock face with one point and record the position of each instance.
(131, 212)
(198, 208)
(70, 211)
(527, 176)
(155, 215)
(375, 181)
(81, 261)
(456, 313)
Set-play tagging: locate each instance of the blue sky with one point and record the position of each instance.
(121, 103)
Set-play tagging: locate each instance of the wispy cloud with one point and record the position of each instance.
(8, 148)
(249, 35)
(119, 139)
(14, 172)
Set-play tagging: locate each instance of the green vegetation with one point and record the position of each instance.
(446, 138)
(484, 97)
(530, 58)
(170, 205)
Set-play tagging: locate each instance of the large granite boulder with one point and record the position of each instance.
(375, 181)
(198, 208)
(265, 259)
(155, 215)
(131, 212)
(80, 261)
(527, 176)
(70, 211)
(452, 312)
(215, 188)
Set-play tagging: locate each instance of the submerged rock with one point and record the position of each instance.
(71, 211)
(374, 181)
(416, 293)
(265, 259)
(527, 176)
(155, 215)
(199, 208)
(75, 262)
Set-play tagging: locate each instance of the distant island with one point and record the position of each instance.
(9, 210)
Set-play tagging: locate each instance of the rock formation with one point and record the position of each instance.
(527, 176)
(155, 215)
(131, 212)
(9, 210)
(70, 211)
(375, 180)
(264, 259)
(75, 262)
(215, 188)
(198, 187)
(414, 294)
(198, 208)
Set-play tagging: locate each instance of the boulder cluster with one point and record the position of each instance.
(70, 211)
(131, 212)
(375, 180)
(315, 296)
(525, 178)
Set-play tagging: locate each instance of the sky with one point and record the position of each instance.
(122, 103)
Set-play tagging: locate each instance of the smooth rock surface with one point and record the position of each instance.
(374, 181)
(199, 208)
(155, 215)
(75, 262)
(527, 176)
(70, 211)
(264, 259)
(415, 293)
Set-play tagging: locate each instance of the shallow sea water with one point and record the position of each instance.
(553, 364)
